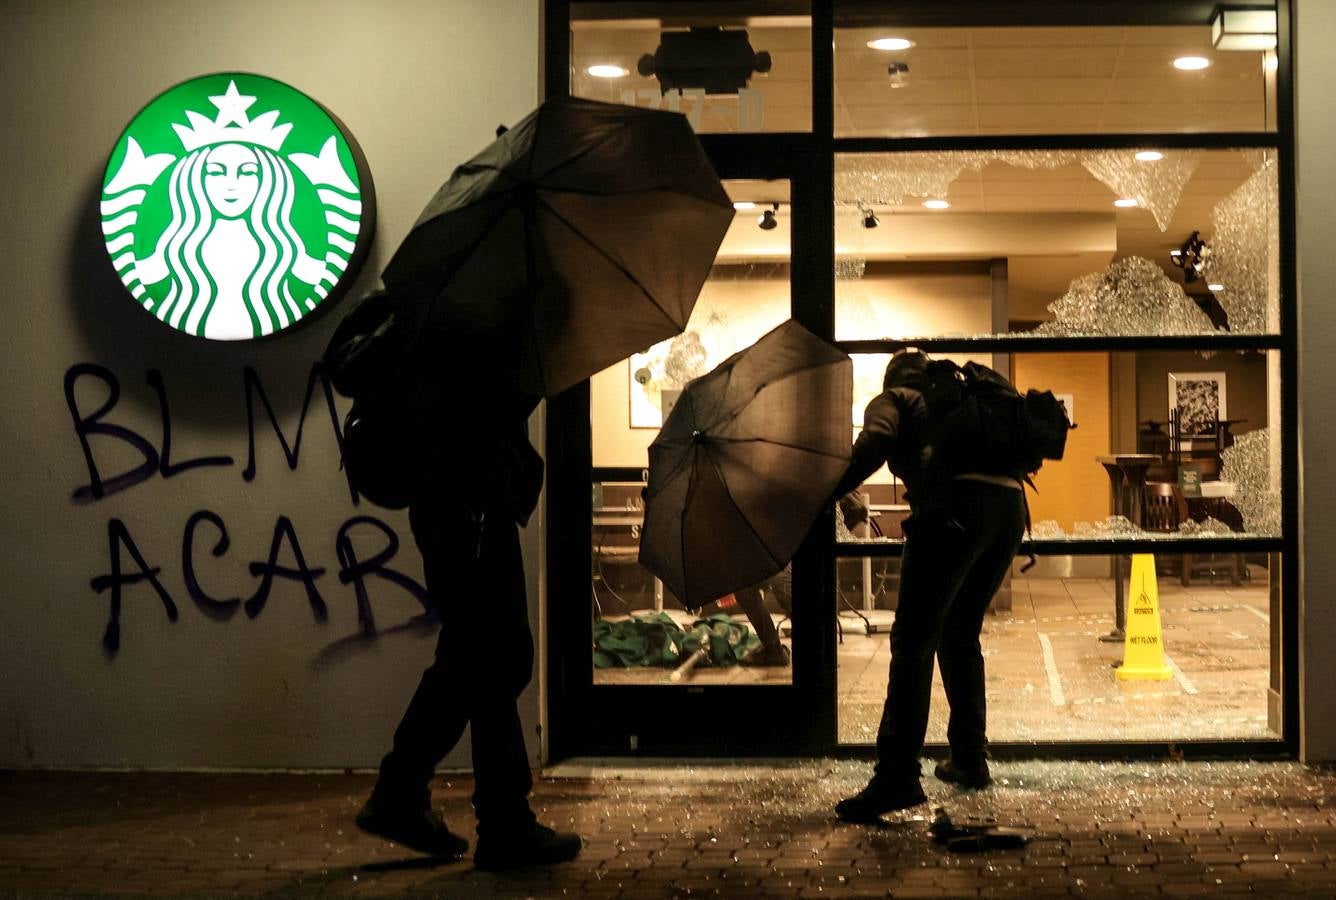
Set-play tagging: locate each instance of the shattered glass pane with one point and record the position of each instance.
(1248, 466)
(850, 268)
(1116, 525)
(1131, 296)
(1046, 530)
(877, 288)
(1155, 187)
(1245, 250)
(885, 179)
(1208, 526)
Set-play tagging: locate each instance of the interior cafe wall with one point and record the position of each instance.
(283, 678)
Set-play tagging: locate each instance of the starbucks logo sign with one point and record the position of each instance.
(234, 205)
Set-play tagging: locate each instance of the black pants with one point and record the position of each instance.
(954, 561)
(484, 659)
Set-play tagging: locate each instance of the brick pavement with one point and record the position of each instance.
(689, 830)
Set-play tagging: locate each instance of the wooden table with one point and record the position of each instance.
(1127, 475)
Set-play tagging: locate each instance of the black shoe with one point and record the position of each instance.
(418, 828)
(536, 845)
(880, 796)
(972, 776)
(779, 656)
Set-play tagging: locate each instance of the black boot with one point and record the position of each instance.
(881, 795)
(412, 823)
(972, 775)
(532, 845)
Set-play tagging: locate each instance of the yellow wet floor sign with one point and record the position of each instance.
(1143, 645)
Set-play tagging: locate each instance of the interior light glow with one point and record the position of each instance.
(1125, 202)
(1215, 286)
(1149, 155)
(936, 204)
(890, 43)
(743, 205)
(1243, 29)
(607, 71)
(1191, 63)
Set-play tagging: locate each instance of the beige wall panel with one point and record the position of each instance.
(1074, 488)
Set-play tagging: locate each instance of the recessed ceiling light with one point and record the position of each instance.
(1215, 286)
(607, 71)
(936, 204)
(890, 43)
(1149, 155)
(1125, 202)
(743, 205)
(1191, 63)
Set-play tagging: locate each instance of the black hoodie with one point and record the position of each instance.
(893, 430)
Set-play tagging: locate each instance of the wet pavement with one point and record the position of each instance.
(680, 830)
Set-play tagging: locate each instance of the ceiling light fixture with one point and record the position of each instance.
(1243, 29)
(1125, 202)
(936, 204)
(870, 219)
(743, 205)
(607, 71)
(1191, 63)
(1149, 155)
(721, 61)
(890, 43)
(1215, 286)
(767, 220)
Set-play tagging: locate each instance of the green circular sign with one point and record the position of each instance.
(234, 205)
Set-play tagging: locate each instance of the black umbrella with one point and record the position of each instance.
(580, 236)
(744, 463)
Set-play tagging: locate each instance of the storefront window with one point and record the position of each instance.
(642, 633)
(1113, 242)
(917, 82)
(1199, 434)
(1017, 190)
(1050, 669)
(730, 69)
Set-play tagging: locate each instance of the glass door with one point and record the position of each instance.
(631, 671)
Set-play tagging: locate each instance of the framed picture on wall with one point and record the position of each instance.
(1196, 402)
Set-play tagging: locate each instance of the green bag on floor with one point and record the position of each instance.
(655, 640)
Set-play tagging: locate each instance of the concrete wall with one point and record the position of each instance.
(1315, 113)
(422, 85)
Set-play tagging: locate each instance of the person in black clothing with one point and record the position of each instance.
(466, 515)
(772, 652)
(960, 539)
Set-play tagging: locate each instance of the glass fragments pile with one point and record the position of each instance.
(1132, 296)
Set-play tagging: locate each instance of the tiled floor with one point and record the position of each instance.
(1050, 678)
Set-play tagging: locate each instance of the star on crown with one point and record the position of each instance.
(232, 124)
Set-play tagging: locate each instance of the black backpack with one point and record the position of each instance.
(365, 360)
(979, 422)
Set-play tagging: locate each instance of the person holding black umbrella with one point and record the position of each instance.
(962, 534)
(477, 483)
(580, 236)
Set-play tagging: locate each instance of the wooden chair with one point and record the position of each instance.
(1164, 509)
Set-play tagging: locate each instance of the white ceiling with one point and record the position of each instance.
(980, 81)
